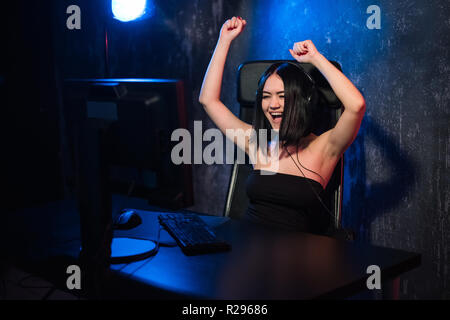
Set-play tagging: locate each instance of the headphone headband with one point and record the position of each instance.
(297, 65)
(311, 80)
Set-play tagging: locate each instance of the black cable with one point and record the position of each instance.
(20, 283)
(307, 179)
(337, 232)
(323, 180)
(51, 288)
(161, 244)
(49, 293)
(155, 251)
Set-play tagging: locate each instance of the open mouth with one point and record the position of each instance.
(276, 116)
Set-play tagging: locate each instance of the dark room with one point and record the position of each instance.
(225, 156)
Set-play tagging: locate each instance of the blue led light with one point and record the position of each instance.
(128, 10)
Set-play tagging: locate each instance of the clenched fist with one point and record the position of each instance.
(304, 51)
(232, 28)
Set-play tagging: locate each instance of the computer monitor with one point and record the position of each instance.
(141, 114)
(119, 137)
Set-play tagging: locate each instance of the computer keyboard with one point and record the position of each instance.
(192, 234)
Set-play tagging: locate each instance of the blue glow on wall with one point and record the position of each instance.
(129, 10)
(338, 30)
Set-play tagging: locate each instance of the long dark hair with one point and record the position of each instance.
(300, 99)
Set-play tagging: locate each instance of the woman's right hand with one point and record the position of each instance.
(232, 28)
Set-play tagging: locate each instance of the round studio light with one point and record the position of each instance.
(128, 10)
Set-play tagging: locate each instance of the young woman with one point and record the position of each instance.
(288, 198)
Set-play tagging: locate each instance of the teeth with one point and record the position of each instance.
(276, 113)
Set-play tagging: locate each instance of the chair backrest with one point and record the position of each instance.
(329, 108)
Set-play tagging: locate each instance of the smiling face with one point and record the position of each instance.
(282, 102)
(273, 100)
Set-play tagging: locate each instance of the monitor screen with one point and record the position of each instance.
(141, 115)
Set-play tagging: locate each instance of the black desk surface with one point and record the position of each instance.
(262, 264)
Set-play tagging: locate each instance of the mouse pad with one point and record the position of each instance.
(148, 229)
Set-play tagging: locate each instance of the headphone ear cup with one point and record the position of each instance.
(312, 110)
(314, 97)
(298, 66)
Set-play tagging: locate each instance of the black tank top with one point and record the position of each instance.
(286, 202)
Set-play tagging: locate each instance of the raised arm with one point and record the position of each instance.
(338, 139)
(212, 83)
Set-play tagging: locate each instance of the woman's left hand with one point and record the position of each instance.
(304, 51)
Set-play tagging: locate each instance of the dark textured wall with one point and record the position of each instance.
(396, 190)
(396, 172)
(176, 42)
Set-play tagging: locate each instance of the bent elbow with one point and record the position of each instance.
(203, 99)
(360, 107)
(203, 103)
(206, 101)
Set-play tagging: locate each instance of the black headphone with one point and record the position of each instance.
(313, 90)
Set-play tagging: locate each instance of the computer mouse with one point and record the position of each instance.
(128, 219)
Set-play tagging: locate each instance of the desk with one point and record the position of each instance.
(263, 264)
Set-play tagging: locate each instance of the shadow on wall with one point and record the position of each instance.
(365, 201)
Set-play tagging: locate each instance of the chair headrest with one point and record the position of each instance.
(250, 72)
